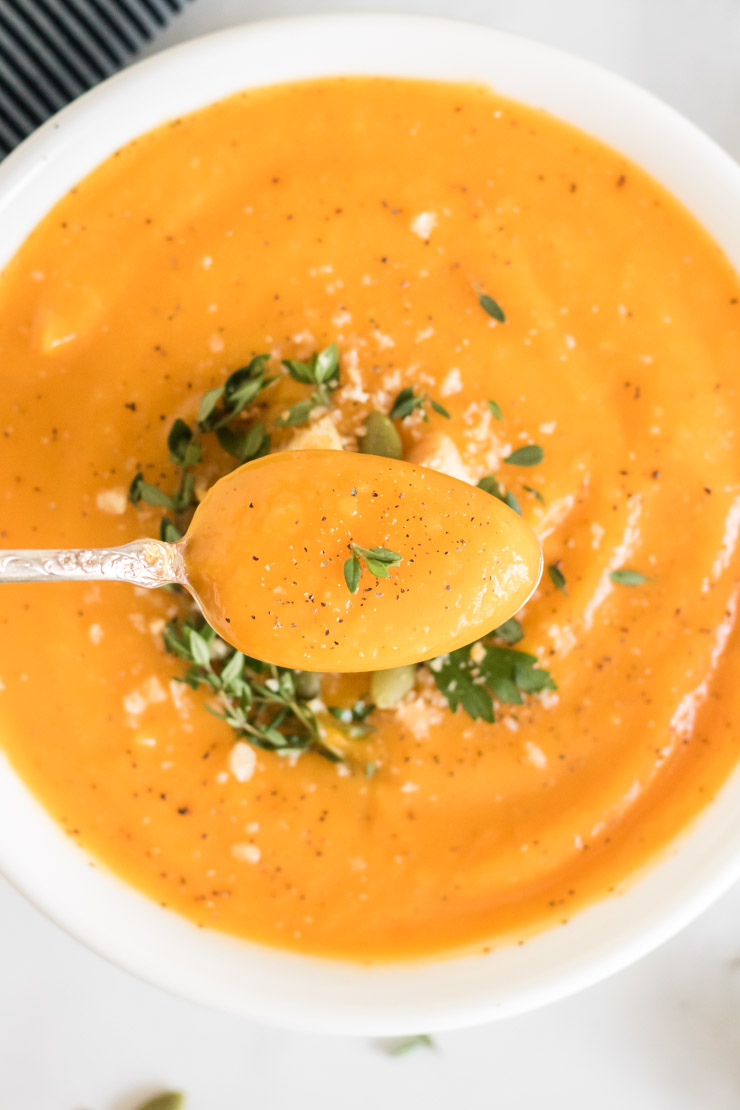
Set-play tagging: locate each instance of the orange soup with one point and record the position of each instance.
(398, 269)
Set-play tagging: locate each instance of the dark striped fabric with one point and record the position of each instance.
(53, 50)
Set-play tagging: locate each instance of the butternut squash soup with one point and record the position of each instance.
(403, 270)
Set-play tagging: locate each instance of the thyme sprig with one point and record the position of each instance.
(264, 704)
(491, 484)
(218, 413)
(322, 372)
(408, 400)
(376, 559)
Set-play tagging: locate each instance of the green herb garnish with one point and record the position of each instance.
(531, 455)
(492, 307)
(170, 1100)
(376, 559)
(557, 578)
(495, 410)
(626, 577)
(262, 703)
(510, 631)
(472, 680)
(491, 484)
(218, 411)
(322, 372)
(408, 400)
(353, 718)
(535, 493)
(403, 1045)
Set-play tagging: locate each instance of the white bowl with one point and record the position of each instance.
(281, 987)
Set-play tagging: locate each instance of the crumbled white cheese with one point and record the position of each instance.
(439, 452)
(424, 224)
(383, 341)
(242, 761)
(451, 383)
(148, 693)
(247, 853)
(112, 501)
(322, 434)
(535, 755)
(95, 632)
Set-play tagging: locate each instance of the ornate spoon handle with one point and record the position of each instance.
(148, 563)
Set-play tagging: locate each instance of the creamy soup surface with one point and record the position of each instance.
(539, 293)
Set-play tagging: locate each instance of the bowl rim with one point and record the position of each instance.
(286, 988)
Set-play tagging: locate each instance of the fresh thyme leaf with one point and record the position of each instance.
(491, 484)
(232, 670)
(321, 371)
(168, 532)
(208, 404)
(492, 308)
(327, 364)
(512, 502)
(530, 455)
(299, 371)
(408, 400)
(403, 1045)
(371, 769)
(380, 570)
(495, 410)
(199, 649)
(535, 493)
(296, 414)
(376, 559)
(557, 578)
(180, 443)
(139, 490)
(352, 572)
(244, 446)
(510, 631)
(627, 577)
(440, 409)
(405, 403)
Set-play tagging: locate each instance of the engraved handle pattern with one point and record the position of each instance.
(148, 563)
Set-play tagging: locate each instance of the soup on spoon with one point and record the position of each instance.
(334, 561)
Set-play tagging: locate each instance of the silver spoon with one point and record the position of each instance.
(147, 563)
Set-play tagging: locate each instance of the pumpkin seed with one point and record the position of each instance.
(171, 1100)
(387, 688)
(307, 685)
(381, 437)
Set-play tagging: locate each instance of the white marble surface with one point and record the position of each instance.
(76, 1034)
